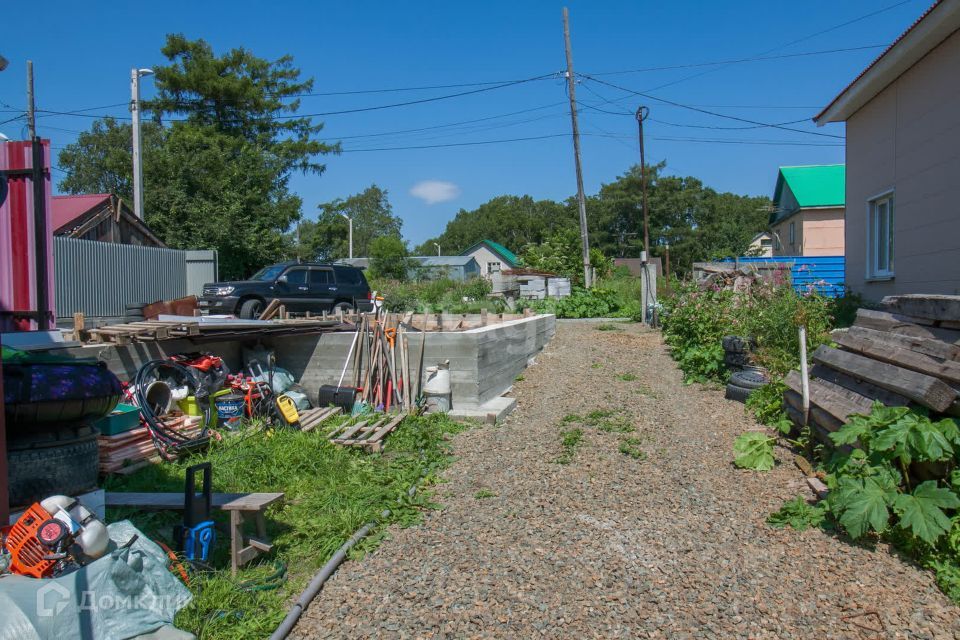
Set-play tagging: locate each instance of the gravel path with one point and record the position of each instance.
(670, 546)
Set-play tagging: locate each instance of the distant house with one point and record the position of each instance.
(102, 217)
(492, 257)
(761, 245)
(431, 267)
(808, 211)
(903, 157)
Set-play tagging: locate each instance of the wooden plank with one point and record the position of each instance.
(346, 435)
(838, 405)
(375, 442)
(886, 321)
(919, 387)
(929, 306)
(363, 435)
(270, 309)
(872, 391)
(174, 501)
(948, 371)
(926, 346)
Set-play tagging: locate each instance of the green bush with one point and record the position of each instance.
(437, 296)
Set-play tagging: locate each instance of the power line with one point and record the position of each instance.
(712, 113)
(457, 144)
(758, 58)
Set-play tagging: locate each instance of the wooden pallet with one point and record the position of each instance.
(146, 331)
(368, 432)
(312, 418)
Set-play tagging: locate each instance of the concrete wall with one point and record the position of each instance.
(817, 232)
(908, 139)
(483, 362)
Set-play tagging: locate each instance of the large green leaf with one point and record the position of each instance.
(850, 433)
(863, 503)
(921, 512)
(754, 450)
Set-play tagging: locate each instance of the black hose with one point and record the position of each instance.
(169, 443)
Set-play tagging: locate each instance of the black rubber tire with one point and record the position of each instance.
(134, 306)
(345, 306)
(129, 317)
(748, 379)
(51, 436)
(36, 473)
(736, 344)
(735, 359)
(251, 309)
(737, 393)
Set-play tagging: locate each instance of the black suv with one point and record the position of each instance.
(300, 287)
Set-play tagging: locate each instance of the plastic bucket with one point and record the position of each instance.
(229, 406)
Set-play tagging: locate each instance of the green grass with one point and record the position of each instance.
(519, 379)
(570, 441)
(631, 447)
(606, 326)
(571, 417)
(627, 377)
(330, 492)
(484, 493)
(606, 420)
(596, 365)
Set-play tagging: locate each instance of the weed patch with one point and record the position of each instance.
(631, 447)
(607, 326)
(330, 492)
(627, 377)
(569, 441)
(484, 493)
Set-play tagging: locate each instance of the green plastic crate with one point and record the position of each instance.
(125, 417)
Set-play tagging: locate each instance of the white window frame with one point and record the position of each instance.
(874, 269)
(490, 266)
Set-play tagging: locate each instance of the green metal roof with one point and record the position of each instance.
(497, 248)
(812, 186)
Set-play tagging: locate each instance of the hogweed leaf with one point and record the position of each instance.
(754, 450)
(864, 506)
(921, 512)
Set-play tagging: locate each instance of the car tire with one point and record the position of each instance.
(736, 344)
(738, 393)
(135, 306)
(38, 472)
(251, 309)
(748, 379)
(345, 307)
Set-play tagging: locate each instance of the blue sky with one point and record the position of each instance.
(83, 53)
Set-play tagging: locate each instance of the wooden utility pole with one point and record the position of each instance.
(31, 117)
(581, 201)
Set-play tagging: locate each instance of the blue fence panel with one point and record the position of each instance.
(823, 273)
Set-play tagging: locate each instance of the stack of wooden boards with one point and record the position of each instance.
(153, 330)
(907, 354)
(130, 450)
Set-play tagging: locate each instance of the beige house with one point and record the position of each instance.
(903, 162)
(492, 257)
(808, 211)
(761, 245)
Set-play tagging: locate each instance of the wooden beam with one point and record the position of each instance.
(927, 346)
(835, 379)
(919, 387)
(886, 321)
(931, 307)
(948, 371)
(839, 405)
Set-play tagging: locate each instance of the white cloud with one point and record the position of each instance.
(434, 191)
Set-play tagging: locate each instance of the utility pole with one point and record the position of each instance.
(642, 114)
(31, 111)
(572, 94)
(349, 232)
(135, 75)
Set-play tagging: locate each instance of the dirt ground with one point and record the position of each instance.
(671, 543)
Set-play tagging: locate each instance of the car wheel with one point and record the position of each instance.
(736, 359)
(38, 472)
(344, 307)
(737, 393)
(251, 309)
(748, 379)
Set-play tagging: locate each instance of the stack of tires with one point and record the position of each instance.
(745, 377)
(49, 408)
(133, 312)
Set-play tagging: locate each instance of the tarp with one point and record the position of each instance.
(126, 593)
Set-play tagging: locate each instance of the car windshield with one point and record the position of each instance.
(269, 273)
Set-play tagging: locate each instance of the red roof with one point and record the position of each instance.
(66, 209)
(878, 58)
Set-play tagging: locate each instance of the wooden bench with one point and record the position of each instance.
(242, 506)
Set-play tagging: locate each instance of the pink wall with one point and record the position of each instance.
(908, 139)
(817, 232)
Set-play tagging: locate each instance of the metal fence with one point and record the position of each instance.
(99, 278)
(825, 274)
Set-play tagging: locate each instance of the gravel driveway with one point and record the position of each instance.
(669, 544)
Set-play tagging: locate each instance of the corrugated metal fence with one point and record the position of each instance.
(826, 274)
(99, 278)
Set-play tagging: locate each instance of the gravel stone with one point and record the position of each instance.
(610, 546)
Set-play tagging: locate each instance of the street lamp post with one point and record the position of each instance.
(350, 223)
(135, 75)
(437, 245)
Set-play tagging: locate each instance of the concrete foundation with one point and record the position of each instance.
(484, 361)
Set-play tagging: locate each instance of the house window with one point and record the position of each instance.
(880, 237)
(766, 243)
(793, 234)
(493, 267)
